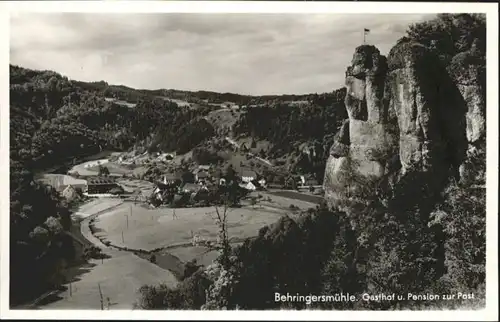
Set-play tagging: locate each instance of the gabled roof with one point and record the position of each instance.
(172, 176)
(203, 174)
(247, 186)
(249, 173)
(100, 180)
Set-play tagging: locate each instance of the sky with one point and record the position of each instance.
(256, 54)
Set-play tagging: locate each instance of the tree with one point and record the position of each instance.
(187, 176)
(253, 202)
(230, 173)
(221, 271)
(103, 171)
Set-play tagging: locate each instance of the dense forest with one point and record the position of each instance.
(313, 123)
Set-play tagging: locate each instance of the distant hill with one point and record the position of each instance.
(57, 119)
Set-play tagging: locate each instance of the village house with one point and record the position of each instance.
(196, 191)
(311, 182)
(292, 182)
(162, 191)
(166, 188)
(307, 181)
(248, 176)
(218, 177)
(260, 184)
(203, 167)
(60, 182)
(171, 178)
(191, 188)
(202, 174)
(70, 193)
(100, 185)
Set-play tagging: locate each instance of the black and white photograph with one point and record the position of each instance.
(320, 162)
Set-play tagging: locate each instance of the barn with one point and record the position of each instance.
(100, 185)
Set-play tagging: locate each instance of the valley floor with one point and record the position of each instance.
(119, 276)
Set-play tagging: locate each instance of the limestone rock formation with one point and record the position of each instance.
(406, 116)
(468, 71)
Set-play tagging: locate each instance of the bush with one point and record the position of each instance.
(190, 294)
(190, 268)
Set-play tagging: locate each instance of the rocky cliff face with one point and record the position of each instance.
(407, 115)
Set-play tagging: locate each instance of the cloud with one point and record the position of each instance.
(243, 53)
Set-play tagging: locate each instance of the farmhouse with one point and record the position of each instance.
(311, 182)
(203, 167)
(248, 175)
(60, 182)
(191, 187)
(307, 181)
(201, 176)
(163, 191)
(195, 190)
(291, 182)
(171, 178)
(100, 185)
(70, 193)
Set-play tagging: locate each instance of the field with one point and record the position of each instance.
(131, 185)
(133, 226)
(284, 201)
(297, 196)
(136, 227)
(95, 207)
(114, 168)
